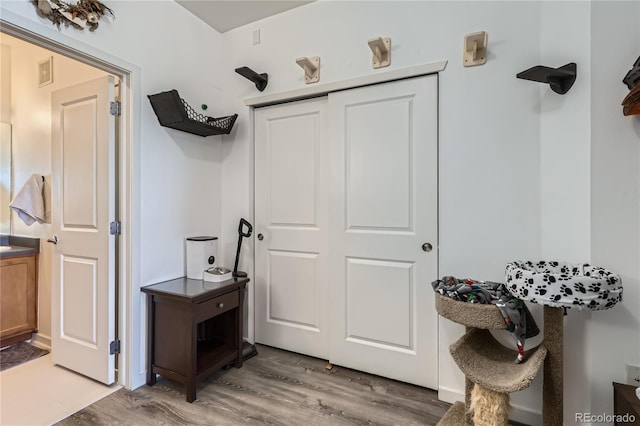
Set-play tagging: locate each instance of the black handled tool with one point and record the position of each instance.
(246, 234)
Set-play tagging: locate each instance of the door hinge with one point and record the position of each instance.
(114, 347)
(114, 108)
(114, 227)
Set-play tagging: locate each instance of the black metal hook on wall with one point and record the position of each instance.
(559, 79)
(260, 80)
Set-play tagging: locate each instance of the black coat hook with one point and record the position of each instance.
(560, 79)
(259, 79)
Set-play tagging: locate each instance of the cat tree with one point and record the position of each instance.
(490, 367)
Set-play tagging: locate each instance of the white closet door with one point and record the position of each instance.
(383, 198)
(291, 227)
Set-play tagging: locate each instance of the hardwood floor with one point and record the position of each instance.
(274, 388)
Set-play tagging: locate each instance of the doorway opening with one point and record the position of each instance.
(93, 61)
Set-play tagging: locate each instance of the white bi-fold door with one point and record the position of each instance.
(375, 176)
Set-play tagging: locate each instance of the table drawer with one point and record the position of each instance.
(216, 306)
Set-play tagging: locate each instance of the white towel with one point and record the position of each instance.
(29, 202)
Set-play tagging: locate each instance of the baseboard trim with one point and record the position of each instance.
(42, 341)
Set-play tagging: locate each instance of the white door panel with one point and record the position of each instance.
(83, 205)
(378, 147)
(291, 215)
(383, 162)
(292, 276)
(378, 303)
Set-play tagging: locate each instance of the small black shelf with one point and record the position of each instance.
(560, 79)
(172, 111)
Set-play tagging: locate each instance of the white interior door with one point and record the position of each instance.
(83, 205)
(291, 227)
(383, 198)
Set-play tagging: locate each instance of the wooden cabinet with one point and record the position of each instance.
(18, 298)
(626, 405)
(194, 328)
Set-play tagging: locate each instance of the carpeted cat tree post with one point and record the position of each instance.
(490, 371)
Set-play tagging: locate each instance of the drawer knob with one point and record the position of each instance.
(220, 305)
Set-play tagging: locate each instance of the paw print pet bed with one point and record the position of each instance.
(565, 285)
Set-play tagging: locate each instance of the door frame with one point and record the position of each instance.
(129, 321)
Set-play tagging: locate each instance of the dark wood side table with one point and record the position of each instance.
(194, 328)
(626, 403)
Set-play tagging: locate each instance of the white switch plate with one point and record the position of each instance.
(256, 37)
(633, 375)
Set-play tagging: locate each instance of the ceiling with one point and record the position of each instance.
(224, 15)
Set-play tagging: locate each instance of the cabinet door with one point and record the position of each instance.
(19, 296)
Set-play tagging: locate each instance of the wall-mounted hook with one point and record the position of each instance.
(311, 67)
(260, 80)
(475, 49)
(560, 79)
(381, 48)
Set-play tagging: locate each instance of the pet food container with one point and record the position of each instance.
(201, 255)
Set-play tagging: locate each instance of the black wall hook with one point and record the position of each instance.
(259, 79)
(560, 79)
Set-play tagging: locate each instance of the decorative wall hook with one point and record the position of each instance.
(560, 79)
(475, 49)
(381, 48)
(260, 80)
(311, 67)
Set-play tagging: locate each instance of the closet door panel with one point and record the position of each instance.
(383, 198)
(291, 221)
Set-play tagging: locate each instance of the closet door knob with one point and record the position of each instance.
(260, 237)
(53, 240)
(427, 247)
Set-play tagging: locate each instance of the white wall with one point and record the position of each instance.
(614, 335)
(5, 138)
(590, 187)
(5, 84)
(31, 145)
(176, 175)
(489, 125)
(565, 176)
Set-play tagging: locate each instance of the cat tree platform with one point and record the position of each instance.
(485, 361)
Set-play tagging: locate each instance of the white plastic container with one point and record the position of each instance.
(202, 253)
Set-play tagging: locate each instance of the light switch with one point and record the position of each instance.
(256, 37)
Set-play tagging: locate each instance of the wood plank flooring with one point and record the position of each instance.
(274, 388)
